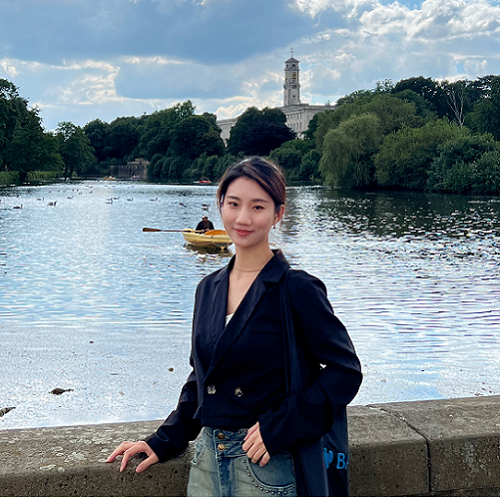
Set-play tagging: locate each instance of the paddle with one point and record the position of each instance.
(154, 230)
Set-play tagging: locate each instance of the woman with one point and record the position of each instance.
(236, 394)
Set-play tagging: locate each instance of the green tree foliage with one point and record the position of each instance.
(290, 156)
(486, 173)
(405, 156)
(75, 148)
(347, 151)
(454, 170)
(485, 117)
(97, 131)
(393, 112)
(156, 132)
(24, 146)
(196, 135)
(430, 90)
(259, 132)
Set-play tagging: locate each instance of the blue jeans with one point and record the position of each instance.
(220, 468)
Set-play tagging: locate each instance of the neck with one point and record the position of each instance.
(252, 261)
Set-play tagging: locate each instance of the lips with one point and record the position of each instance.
(242, 232)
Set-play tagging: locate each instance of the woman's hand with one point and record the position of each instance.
(255, 447)
(128, 450)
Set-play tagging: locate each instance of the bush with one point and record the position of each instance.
(486, 176)
(404, 158)
(452, 171)
(38, 176)
(8, 178)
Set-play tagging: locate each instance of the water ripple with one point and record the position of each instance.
(91, 302)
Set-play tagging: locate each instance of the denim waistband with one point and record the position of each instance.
(225, 442)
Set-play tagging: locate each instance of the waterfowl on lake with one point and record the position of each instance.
(58, 391)
(4, 411)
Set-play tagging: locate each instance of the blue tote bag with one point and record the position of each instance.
(321, 468)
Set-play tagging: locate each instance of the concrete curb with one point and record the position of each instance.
(429, 448)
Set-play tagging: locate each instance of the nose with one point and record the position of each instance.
(243, 216)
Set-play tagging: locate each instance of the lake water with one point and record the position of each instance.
(89, 301)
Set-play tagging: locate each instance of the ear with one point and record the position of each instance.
(279, 214)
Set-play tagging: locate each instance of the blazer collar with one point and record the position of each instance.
(271, 273)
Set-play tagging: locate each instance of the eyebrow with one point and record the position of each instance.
(255, 200)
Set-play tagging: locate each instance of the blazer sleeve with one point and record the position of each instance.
(180, 427)
(306, 416)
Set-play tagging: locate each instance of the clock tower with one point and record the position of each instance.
(298, 114)
(292, 85)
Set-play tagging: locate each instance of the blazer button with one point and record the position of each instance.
(238, 392)
(211, 389)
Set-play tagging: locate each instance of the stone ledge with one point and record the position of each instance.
(424, 448)
(463, 437)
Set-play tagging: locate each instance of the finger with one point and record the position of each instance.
(128, 454)
(118, 451)
(152, 459)
(265, 459)
(256, 453)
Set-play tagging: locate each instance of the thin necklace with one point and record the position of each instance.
(248, 270)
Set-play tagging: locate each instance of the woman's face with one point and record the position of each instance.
(248, 213)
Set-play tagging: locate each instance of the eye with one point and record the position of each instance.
(259, 207)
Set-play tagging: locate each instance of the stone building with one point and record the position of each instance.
(137, 170)
(298, 114)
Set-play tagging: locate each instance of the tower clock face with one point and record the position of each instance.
(294, 75)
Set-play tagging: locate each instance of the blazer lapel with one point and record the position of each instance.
(241, 316)
(272, 272)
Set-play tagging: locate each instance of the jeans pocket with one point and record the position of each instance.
(277, 474)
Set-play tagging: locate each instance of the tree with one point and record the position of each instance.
(429, 90)
(453, 170)
(258, 132)
(156, 132)
(28, 149)
(347, 151)
(309, 166)
(98, 133)
(75, 148)
(486, 173)
(123, 138)
(289, 156)
(485, 117)
(24, 146)
(405, 156)
(393, 113)
(195, 135)
(289, 159)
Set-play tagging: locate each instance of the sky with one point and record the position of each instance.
(79, 60)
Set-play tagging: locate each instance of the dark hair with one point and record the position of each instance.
(269, 176)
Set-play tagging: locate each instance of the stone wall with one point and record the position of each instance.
(425, 448)
(137, 170)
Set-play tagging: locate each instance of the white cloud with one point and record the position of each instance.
(315, 7)
(141, 55)
(8, 68)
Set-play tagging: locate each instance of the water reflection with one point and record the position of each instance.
(91, 302)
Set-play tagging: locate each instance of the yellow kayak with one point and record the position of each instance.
(216, 238)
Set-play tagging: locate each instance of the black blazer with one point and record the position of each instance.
(238, 375)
